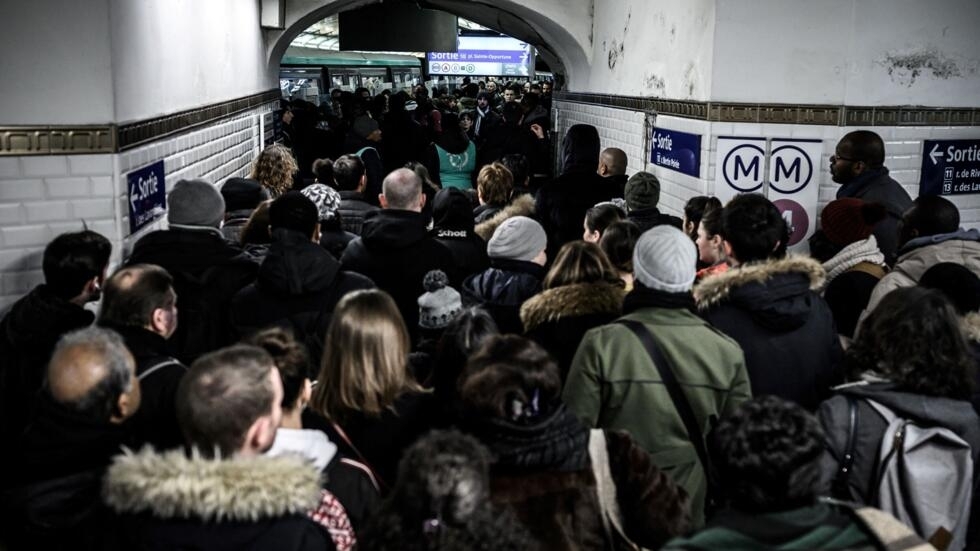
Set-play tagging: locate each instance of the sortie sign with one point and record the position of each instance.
(950, 167)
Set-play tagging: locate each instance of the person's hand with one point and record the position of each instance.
(538, 131)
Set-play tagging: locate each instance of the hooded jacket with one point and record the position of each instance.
(502, 289)
(396, 251)
(453, 227)
(918, 255)
(28, 334)
(561, 204)
(172, 501)
(774, 312)
(876, 186)
(298, 286)
(207, 272)
(558, 318)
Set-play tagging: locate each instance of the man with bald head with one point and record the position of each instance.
(612, 167)
(139, 302)
(395, 249)
(858, 165)
(51, 489)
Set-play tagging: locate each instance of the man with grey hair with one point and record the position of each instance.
(395, 249)
(50, 491)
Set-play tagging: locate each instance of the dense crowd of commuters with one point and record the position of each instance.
(430, 343)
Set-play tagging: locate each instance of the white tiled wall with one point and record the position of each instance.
(43, 196)
(629, 131)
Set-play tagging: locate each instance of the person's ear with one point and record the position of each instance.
(422, 201)
(316, 233)
(126, 406)
(307, 394)
(382, 200)
(159, 321)
(727, 247)
(362, 183)
(260, 436)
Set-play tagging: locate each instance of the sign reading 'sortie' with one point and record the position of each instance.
(147, 196)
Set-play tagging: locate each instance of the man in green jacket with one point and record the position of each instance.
(614, 384)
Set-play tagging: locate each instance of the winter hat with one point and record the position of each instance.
(847, 220)
(364, 126)
(665, 259)
(326, 199)
(518, 238)
(440, 303)
(957, 282)
(195, 203)
(642, 191)
(242, 194)
(293, 210)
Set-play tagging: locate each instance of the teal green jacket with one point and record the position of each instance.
(613, 384)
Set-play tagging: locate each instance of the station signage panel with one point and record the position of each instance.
(483, 55)
(146, 195)
(785, 170)
(678, 151)
(950, 167)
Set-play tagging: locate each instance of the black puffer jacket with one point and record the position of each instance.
(28, 334)
(207, 272)
(353, 208)
(502, 289)
(774, 312)
(396, 251)
(298, 286)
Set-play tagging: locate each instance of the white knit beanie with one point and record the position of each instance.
(665, 259)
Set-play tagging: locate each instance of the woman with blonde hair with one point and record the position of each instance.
(582, 290)
(274, 169)
(365, 395)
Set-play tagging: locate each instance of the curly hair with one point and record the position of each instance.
(274, 169)
(442, 501)
(768, 455)
(914, 338)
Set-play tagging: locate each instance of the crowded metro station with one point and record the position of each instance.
(453, 275)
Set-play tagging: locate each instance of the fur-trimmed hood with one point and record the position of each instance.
(717, 288)
(579, 299)
(971, 322)
(522, 205)
(172, 485)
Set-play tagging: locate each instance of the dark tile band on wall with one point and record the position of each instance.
(776, 113)
(112, 138)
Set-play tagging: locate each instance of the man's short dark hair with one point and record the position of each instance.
(295, 211)
(931, 215)
(754, 228)
(131, 295)
(222, 394)
(347, 172)
(72, 259)
(768, 455)
(866, 146)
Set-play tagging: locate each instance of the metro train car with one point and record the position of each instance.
(310, 74)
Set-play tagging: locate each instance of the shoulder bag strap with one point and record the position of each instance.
(606, 489)
(363, 460)
(677, 396)
(158, 366)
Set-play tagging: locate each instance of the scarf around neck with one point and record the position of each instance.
(850, 256)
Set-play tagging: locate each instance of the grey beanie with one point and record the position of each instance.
(195, 203)
(518, 238)
(440, 304)
(665, 259)
(642, 191)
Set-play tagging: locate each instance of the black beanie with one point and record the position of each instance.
(294, 211)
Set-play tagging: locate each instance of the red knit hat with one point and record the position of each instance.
(847, 220)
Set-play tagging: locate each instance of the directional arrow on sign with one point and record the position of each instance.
(935, 153)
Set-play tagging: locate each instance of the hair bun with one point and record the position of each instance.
(435, 280)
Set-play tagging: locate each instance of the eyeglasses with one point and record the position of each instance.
(835, 157)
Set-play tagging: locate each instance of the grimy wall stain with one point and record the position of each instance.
(905, 68)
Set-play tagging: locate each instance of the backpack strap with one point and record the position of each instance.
(847, 459)
(158, 366)
(869, 268)
(677, 396)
